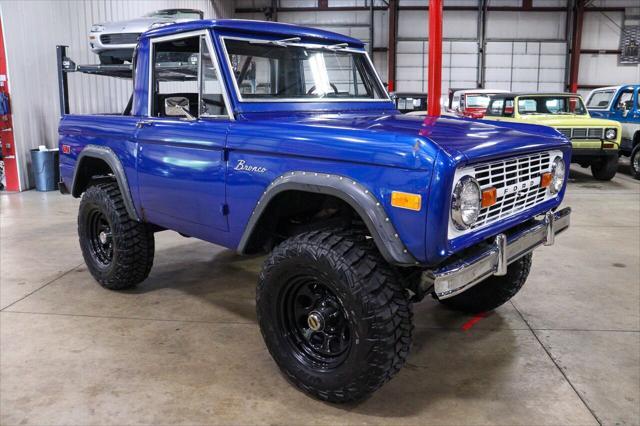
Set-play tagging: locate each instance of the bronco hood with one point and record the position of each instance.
(389, 138)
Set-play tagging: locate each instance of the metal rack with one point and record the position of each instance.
(165, 71)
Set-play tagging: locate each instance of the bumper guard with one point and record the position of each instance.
(461, 275)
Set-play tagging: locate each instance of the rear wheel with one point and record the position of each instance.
(117, 250)
(333, 315)
(493, 291)
(635, 162)
(605, 168)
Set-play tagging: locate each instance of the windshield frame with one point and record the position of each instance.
(549, 96)
(386, 98)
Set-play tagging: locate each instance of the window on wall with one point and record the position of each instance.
(185, 79)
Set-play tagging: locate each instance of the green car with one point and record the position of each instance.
(595, 141)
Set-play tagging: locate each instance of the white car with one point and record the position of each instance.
(114, 42)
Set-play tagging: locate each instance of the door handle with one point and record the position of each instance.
(144, 123)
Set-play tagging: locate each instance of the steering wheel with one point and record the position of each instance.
(313, 88)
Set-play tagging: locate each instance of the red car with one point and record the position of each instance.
(471, 103)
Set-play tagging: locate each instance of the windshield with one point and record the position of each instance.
(280, 70)
(600, 99)
(478, 101)
(175, 14)
(556, 105)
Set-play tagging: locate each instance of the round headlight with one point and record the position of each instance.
(610, 134)
(466, 203)
(558, 172)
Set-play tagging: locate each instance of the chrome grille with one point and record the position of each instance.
(566, 132)
(583, 133)
(517, 183)
(120, 38)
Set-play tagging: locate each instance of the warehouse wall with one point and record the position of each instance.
(602, 32)
(33, 29)
(524, 50)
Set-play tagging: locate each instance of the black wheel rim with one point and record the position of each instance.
(314, 323)
(100, 237)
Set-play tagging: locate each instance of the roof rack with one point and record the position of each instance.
(165, 71)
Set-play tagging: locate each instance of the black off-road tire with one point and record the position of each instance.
(126, 258)
(605, 168)
(492, 292)
(377, 314)
(634, 159)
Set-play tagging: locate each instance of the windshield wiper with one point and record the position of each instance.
(337, 46)
(281, 43)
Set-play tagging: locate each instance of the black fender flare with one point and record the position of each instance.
(107, 155)
(356, 195)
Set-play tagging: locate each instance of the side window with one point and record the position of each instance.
(175, 82)
(211, 98)
(600, 99)
(495, 109)
(527, 105)
(508, 108)
(185, 80)
(625, 100)
(554, 105)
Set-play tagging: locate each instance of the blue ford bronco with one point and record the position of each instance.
(274, 138)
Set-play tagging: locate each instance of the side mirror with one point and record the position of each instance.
(177, 106)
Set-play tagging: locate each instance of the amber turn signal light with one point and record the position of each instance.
(546, 179)
(489, 197)
(405, 200)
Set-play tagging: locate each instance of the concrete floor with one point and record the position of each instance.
(184, 347)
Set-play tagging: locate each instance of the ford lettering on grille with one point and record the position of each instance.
(517, 183)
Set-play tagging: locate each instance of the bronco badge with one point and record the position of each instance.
(243, 166)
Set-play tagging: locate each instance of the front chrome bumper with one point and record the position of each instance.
(461, 275)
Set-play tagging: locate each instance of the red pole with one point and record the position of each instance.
(576, 42)
(393, 32)
(435, 58)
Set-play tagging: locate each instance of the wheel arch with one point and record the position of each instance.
(103, 160)
(352, 193)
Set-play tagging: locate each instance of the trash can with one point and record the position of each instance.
(44, 164)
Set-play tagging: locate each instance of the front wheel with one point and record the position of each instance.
(117, 250)
(605, 168)
(493, 291)
(333, 315)
(635, 162)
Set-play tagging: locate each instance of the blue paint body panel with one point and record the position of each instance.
(186, 176)
(629, 119)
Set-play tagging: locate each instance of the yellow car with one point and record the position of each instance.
(595, 141)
